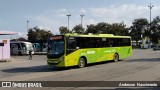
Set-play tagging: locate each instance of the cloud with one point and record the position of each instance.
(57, 13)
(48, 22)
(126, 12)
(53, 19)
(88, 22)
(45, 28)
(82, 10)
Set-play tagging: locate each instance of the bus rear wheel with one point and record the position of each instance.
(81, 63)
(20, 53)
(116, 57)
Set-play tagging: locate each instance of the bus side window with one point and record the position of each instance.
(24, 46)
(82, 42)
(19, 46)
(105, 44)
(71, 45)
(111, 42)
(98, 43)
(92, 43)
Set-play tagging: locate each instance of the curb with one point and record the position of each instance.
(1, 61)
(7, 60)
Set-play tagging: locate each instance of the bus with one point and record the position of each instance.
(79, 50)
(21, 47)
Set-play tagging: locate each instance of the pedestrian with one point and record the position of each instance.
(30, 54)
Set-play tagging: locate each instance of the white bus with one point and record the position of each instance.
(21, 47)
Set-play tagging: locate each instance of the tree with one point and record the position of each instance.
(105, 28)
(155, 29)
(78, 29)
(19, 39)
(116, 29)
(38, 34)
(63, 30)
(101, 27)
(139, 29)
(91, 29)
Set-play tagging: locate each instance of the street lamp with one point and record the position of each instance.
(150, 7)
(81, 19)
(27, 24)
(68, 15)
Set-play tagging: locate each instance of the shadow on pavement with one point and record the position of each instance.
(43, 68)
(144, 60)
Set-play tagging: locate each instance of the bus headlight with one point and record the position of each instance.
(61, 58)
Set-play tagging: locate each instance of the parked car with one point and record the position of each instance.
(157, 47)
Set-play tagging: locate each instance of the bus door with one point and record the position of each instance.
(71, 45)
(70, 48)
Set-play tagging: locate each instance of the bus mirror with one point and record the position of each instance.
(77, 47)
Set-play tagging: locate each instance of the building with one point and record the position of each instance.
(5, 46)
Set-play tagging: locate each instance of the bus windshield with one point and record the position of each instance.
(29, 47)
(56, 47)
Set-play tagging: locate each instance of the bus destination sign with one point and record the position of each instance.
(56, 38)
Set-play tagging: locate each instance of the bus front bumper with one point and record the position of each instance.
(56, 62)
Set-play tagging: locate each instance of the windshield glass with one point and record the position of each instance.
(29, 47)
(56, 47)
(24, 46)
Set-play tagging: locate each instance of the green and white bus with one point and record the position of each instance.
(74, 49)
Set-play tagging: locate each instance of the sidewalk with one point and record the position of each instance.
(7, 60)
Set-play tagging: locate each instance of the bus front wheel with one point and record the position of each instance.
(81, 63)
(116, 57)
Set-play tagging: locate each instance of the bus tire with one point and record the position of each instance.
(81, 63)
(20, 53)
(116, 57)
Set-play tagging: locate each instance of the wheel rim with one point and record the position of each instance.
(116, 58)
(19, 53)
(81, 62)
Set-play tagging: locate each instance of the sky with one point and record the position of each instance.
(51, 14)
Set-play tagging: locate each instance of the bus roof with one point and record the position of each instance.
(96, 35)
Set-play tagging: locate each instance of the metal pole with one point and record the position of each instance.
(27, 24)
(68, 20)
(81, 19)
(150, 7)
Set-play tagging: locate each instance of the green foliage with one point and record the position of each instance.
(105, 28)
(19, 39)
(139, 29)
(63, 30)
(155, 29)
(117, 29)
(91, 29)
(101, 27)
(38, 34)
(78, 29)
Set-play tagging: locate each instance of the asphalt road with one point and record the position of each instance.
(143, 65)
